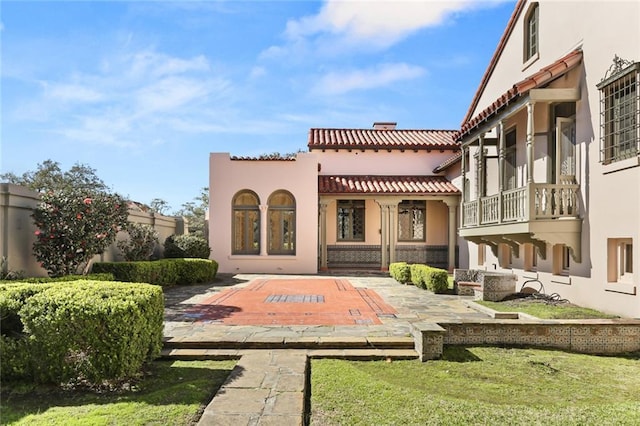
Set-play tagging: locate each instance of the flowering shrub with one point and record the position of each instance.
(140, 244)
(74, 226)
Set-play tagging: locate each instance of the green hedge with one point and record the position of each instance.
(65, 278)
(423, 276)
(400, 271)
(88, 331)
(161, 272)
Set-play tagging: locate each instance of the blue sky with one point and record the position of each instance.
(144, 91)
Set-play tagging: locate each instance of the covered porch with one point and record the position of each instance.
(368, 222)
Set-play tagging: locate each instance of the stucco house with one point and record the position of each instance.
(550, 153)
(542, 179)
(359, 198)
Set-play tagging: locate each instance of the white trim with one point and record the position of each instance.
(621, 165)
(623, 288)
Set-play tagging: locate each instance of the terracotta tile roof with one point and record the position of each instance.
(448, 162)
(544, 76)
(494, 59)
(381, 139)
(416, 185)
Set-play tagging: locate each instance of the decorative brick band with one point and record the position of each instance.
(582, 336)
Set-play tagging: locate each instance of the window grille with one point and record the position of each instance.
(411, 220)
(351, 220)
(620, 112)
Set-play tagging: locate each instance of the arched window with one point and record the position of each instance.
(246, 223)
(282, 223)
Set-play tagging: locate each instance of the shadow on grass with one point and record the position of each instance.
(165, 384)
(459, 354)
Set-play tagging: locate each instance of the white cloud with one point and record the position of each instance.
(335, 83)
(130, 99)
(70, 92)
(379, 21)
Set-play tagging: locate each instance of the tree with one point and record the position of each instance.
(49, 177)
(140, 244)
(195, 213)
(158, 205)
(74, 225)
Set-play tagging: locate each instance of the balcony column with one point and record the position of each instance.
(263, 229)
(452, 203)
(324, 204)
(530, 133)
(501, 155)
(481, 180)
(463, 167)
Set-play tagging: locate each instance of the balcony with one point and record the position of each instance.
(538, 213)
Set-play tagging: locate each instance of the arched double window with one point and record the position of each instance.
(282, 223)
(246, 223)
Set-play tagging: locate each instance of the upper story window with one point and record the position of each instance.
(531, 33)
(350, 220)
(246, 223)
(282, 223)
(411, 220)
(620, 112)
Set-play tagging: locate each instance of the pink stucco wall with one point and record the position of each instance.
(299, 177)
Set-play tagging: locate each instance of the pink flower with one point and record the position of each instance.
(87, 200)
(37, 233)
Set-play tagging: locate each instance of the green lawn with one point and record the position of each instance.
(173, 393)
(479, 386)
(546, 311)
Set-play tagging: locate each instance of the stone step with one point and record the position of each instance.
(309, 343)
(352, 354)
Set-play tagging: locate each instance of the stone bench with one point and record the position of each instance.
(467, 288)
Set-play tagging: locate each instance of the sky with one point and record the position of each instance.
(143, 91)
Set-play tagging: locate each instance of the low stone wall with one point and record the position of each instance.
(598, 337)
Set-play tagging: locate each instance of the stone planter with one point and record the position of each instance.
(496, 286)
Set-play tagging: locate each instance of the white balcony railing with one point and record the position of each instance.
(532, 202)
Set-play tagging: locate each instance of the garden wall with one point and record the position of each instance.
(17, 229)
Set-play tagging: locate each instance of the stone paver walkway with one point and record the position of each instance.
(267, 386)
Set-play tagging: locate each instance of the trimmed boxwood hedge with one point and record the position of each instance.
(80, 331)
(400, 271)
(65, 278)
(420, 275)
(161, 272)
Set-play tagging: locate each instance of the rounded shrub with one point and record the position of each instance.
(186, 246)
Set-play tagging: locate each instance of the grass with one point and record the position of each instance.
(172, 393)
(478, 386)
(546, 311)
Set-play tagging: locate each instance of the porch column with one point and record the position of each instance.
(530, 132)
(323, 235)
(452, 203)
(263, 230)
(393, 226)
(384, 235)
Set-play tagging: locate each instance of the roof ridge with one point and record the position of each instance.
(494, 59)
